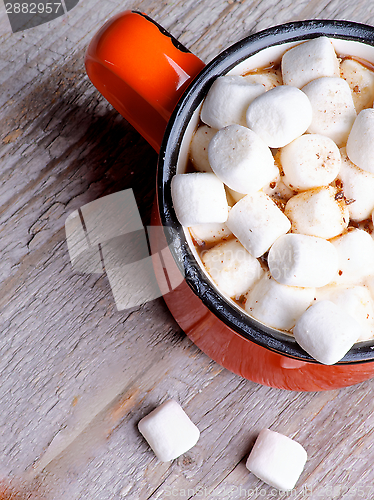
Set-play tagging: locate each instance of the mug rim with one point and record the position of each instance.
(240, 322)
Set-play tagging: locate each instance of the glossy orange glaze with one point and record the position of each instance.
(140, 71)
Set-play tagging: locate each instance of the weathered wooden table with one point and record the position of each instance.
(76, 374)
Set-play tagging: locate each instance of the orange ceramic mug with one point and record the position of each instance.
(157, 85)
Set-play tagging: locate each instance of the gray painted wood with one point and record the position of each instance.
(76, 374)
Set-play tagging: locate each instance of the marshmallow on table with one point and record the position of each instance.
(241, 159)
(360, 144)
(333, 108)
(277, 460)
(199, 198)
(227, 101)
(308, 61)
(199, 148)
(316, 212)
(231, 267)
(355, 256)
(327, 332)
(268, 78)
(209, 233)
(304, 261)
(278, 306)
(257, 222)
(356, 301)
(280, 115)
(310, 161)
(169, 431)
(358, 188)
(361, 82)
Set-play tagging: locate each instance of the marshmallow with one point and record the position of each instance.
(310, 161)
(241, 159)
(326, 332)
(316, 212)
(369, 284)
(277, 460)
(257, 222)
(333, 108)
(360, 144)
(280, 115)
(356, 256)
(356, 301)
(278, 189)
(361, 82)
(231, 267)
(198, 198)
(308, 61)
(209, 233)
(199, 148)
(358, 188)
(268, 78)
(304, 261)
(277, 305)
(227, 101)
(169, 431)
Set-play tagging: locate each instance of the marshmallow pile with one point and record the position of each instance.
(281, 205)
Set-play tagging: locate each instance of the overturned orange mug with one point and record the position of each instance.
(158, 86)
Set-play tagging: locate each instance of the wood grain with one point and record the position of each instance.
(76, 374)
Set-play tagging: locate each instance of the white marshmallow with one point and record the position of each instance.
(308, 61)
(231, 267)
(209, 233)
(361, 82)
(316, 212)
(241, 159)
(360, 144)
(356, 256)
(333, 108)
(227, 101)
(277, 305)
(169, 431)
(257, 222)
(327, 332)
(310, 161)
(277, 460)
(278, 189)
(268, 78)
(358, 188)
(198, 198)
(280, 115)
(356, 301)
(304, 261)
(199, 148)
(369, 284)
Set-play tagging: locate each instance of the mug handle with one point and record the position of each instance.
(141, 70)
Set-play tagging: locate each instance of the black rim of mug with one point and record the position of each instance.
(241, 323)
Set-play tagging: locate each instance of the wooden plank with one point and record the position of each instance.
(77, 375)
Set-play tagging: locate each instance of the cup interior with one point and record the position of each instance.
(255, 51)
